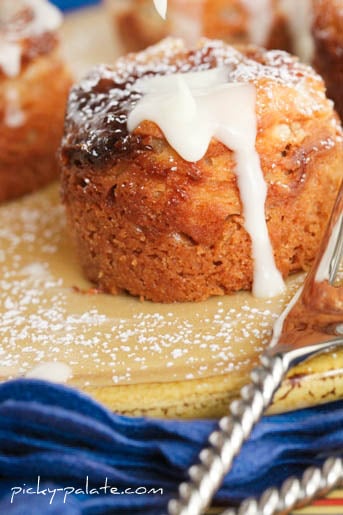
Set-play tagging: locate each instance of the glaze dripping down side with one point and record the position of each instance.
(193, 108)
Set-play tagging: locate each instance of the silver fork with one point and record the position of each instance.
(312, 323)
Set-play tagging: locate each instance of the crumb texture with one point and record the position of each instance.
(147, 222)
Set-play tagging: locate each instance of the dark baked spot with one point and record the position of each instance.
(96, 131)
(111, 196)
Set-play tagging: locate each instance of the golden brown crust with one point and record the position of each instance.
(28, 149)
(328, 37)
(150, 223)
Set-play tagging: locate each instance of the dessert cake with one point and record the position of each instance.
(170, 203)
(179, 360)
(34, 85)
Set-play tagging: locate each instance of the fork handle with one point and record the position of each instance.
(294, 492)
(216, 460)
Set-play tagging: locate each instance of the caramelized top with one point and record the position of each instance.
(96, 131)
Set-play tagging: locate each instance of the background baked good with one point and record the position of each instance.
(236, 21)
(34, 85)
(328, 38)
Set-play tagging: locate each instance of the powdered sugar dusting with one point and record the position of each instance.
(45, 317)
(51, 371)
(99, 105)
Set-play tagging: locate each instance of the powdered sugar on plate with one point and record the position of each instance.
(46, 316)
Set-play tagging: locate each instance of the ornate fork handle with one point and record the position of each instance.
(295, 493)
(311, 323)
(226, 442)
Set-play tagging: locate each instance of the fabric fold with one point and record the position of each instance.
(65, 440)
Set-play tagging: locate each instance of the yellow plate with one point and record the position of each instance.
(183, 360)
(136, 357)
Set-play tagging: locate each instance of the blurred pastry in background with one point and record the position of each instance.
(283, 24)
(191, 172)
(34, 85)
(236, 21)
(137, 23)
(328, 38)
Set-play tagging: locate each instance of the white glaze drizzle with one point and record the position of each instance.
(45, 18)
(299, 15)
(14, 116)
(193, 108)
(10, 57)
(55, 371)
(260, 20)
(161, 7)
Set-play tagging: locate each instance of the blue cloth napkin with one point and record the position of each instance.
(66, 5)
(63, 453)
